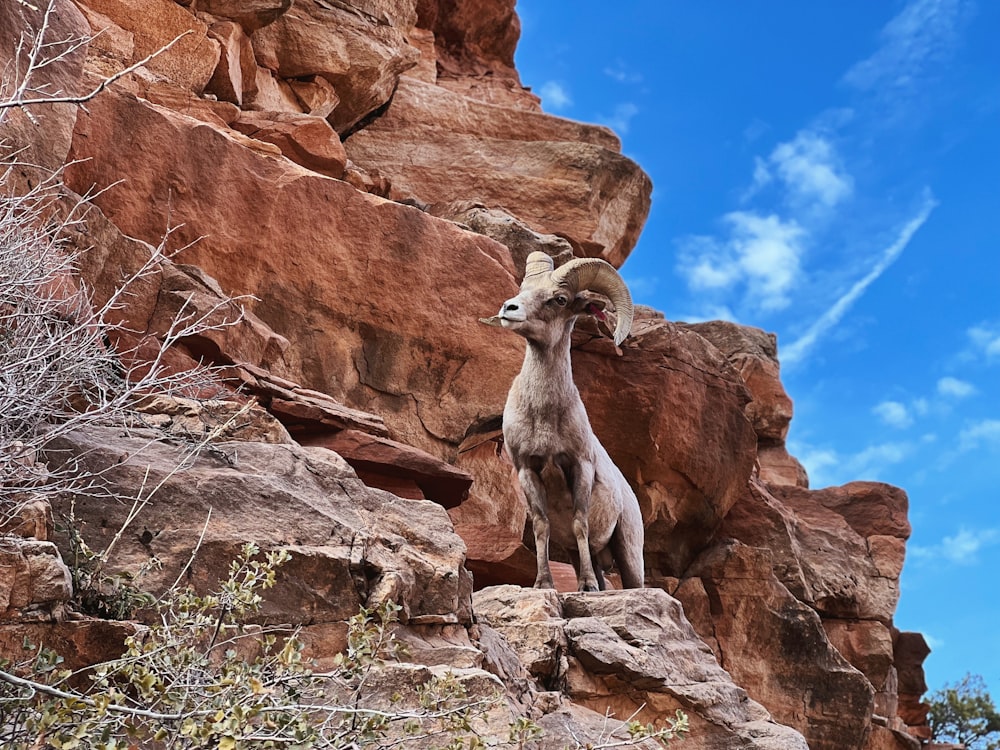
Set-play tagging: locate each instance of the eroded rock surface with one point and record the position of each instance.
(372, 174)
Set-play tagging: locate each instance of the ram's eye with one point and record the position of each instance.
(562, 300)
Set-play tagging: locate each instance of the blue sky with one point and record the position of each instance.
(829, 171)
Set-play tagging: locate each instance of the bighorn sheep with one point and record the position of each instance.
(574, 490)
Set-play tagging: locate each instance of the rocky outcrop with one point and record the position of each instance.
(630, 653)
(559, 177)
(754, 353)
(344, 537)
(366, 178)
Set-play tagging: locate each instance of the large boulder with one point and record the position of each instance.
(775, 647)
(359, 48)
(670, 411)
(191, 56)
(754, 353)
(839, 550)
(350, 545)
(557, 176)
(629, 652)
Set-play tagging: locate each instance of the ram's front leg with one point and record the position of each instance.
(534, 491)
(580, 481)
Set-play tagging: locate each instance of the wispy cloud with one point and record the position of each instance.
(797, 350)
(825, 466)
(894, 414)
(620, 72)
(621, 119)
(921, 36)
(984, 432)
(955, 388)
(760, 252)
(985, 338)
(555, 95)
(811, 169)
(961, 548)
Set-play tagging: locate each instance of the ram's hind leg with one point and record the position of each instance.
(626, 547)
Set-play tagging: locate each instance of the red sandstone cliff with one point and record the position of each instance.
(373, 173)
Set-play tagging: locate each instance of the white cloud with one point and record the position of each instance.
(826, 466)
(985, 431)
(622, 73)
(761, 175)
(769, 252)
(761, 252)
(817, 463)
(923, 34)
(811, 169)
(962, 548)
(986, 338)
(621, 119)
(894, 414)
(755, 129)
(798, 349)
(555, 95)
(955, 388)
(872, 462)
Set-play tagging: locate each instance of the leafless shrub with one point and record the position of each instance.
(58, 368)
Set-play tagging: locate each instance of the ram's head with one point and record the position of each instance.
(550, 299)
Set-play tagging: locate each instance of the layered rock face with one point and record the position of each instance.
(372, 175)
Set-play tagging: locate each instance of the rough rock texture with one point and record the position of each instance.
(755, 354)
(360, 53)
(372, 174)
(557, 176)
(375, 341)
(154, 24)
(343, 536)
(775, 646)
(44, 135)
(629, 651)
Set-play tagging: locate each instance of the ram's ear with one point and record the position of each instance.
(589, 303)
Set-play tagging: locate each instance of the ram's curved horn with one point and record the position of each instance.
(537, 266)
(599, 276)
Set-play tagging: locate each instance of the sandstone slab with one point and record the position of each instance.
(842, 569)
(235, 77)
(154, 24)
(350, 545)
(250, 14)
(754, 353)
(305, 139)
(385, 463)
(393, 331)
(626, 652)
(42, 134)
(557, 176)
(775, 647)
(35, 584)
(360, 55)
